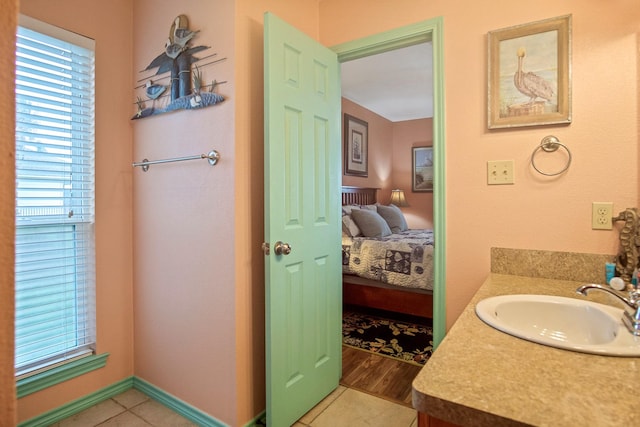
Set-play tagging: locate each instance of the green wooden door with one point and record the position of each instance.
(302, 210)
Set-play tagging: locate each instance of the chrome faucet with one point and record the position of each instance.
(631, 317)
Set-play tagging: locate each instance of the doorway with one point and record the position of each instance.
(397, 86)
(422, 32)
(293, 388)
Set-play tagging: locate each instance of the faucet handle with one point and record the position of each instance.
(634, 296)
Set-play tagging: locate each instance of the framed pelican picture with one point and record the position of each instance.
(529, 76)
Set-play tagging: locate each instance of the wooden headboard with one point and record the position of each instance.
(358, 195)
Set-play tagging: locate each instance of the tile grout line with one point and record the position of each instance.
(114, 416)
(126, 410)
(323, 410)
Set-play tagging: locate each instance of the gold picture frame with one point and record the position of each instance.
(422, 169)
(529, 74)
(356, 146)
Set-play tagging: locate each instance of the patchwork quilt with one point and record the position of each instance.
(402, 259)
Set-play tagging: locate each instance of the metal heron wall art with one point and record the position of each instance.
(177, 59)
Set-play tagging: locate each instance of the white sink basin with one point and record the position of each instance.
(566, 323)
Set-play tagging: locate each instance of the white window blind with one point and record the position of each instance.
(55, 255)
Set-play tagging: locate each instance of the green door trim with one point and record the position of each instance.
(432, 31)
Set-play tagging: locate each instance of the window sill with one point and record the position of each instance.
(29, 385)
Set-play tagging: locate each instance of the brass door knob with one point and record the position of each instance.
(281, 248)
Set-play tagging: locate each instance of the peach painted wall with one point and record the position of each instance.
(406, 135)
(109, 23)
(390, 160)
(187, 215)
(536, 212)
(8, 24)
(184, 234)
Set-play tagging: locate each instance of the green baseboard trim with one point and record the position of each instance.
(79, 405)
(60, 374)
(189, 412)
(259, 421)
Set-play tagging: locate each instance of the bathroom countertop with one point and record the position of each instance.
(479, 376)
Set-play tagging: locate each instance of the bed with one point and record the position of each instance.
(393, 273)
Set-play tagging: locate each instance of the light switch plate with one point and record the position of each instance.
(500, 172)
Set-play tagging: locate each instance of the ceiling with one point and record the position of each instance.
(397, 85)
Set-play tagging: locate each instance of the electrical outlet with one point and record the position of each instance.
(500, 172)
(601, 216)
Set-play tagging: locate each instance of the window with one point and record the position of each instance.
(55, 256)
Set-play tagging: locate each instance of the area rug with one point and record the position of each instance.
(375, 332)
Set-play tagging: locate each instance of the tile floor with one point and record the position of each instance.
(345, 407)
(129, 409)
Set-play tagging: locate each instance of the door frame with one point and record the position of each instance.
(432, 31)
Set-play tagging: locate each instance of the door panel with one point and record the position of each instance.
(302, 208)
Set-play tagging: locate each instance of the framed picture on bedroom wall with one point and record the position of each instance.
(356, 146)
(422, 169)
(530, 74)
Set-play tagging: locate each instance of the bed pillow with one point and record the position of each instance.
(394, 217)
(347, 209)
(349, 226)
(370, 207)
(370, 223)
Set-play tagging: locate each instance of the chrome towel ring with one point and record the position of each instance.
(550, 144)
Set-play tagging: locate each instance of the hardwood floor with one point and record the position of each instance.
(378, 375)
